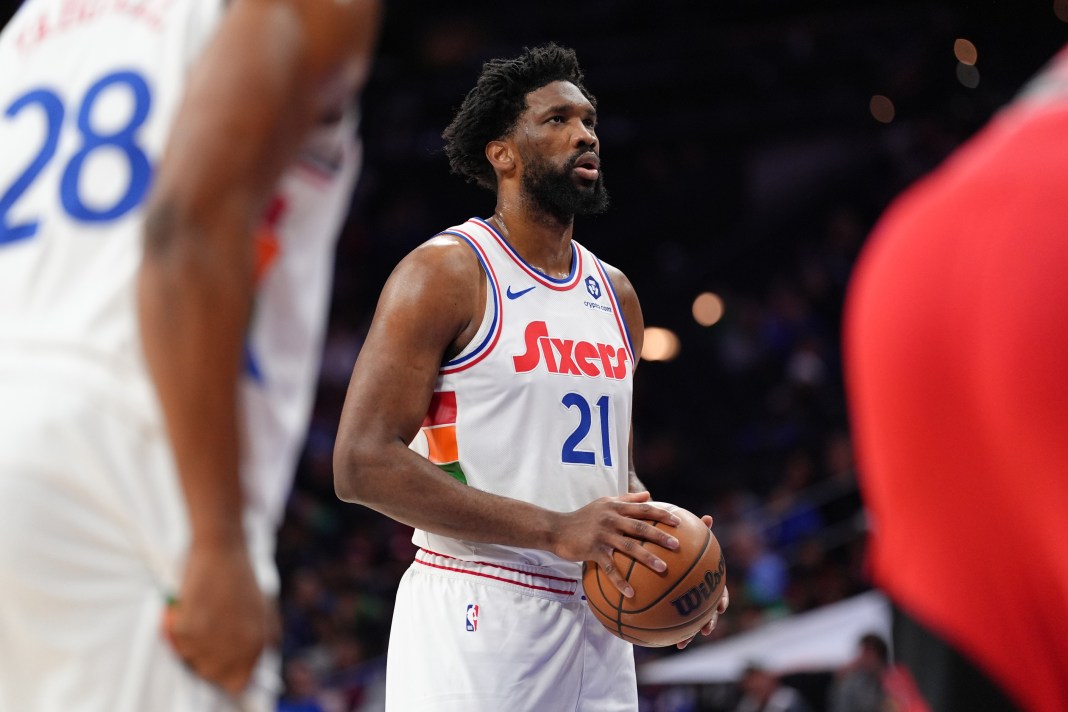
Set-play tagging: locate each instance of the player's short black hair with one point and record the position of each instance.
(492, 108)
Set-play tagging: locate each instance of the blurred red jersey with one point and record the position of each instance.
(956, 345)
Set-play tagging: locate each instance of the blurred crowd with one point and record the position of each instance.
(742, 159)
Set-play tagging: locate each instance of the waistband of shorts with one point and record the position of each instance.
(529, 580)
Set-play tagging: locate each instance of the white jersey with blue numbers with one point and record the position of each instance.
(538, 406)
(88, 93)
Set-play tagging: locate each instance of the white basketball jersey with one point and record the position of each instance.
(538, 406)
(88, 93)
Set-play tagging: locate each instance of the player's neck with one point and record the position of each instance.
(543, 241)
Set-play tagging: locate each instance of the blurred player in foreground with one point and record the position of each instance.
(165, 163)
(506, 350)
(956, 350)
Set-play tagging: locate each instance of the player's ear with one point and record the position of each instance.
(501, 156)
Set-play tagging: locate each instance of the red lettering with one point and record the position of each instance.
(584, 351)
(74, 13)
(550, 357)
(569, 356)
(606, 352)
(34, 33)
(567, 364)
(69, 13)
(621, 365)
(536, 330)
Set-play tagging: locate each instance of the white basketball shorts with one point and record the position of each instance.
(93, 532)
(489, 637)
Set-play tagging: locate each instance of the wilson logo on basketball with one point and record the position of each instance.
(568, 356)
(689, 602)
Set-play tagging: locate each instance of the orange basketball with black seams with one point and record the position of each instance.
(668, 607)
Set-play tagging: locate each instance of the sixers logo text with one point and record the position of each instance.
(568, 356)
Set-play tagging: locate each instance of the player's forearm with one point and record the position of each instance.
(634, 484)
(404, 486)
(194, 301)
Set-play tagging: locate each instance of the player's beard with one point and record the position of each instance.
(554, 191)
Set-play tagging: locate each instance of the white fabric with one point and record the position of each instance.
(822, 639)
(88, 87)
(534, 645)
(519, 399)
(70, 286)
(289, 319)
(89, 554)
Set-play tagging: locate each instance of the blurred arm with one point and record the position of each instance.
(271, 70)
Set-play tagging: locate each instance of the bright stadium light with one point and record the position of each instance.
(660, 344)
(707, 308)
(965, 52)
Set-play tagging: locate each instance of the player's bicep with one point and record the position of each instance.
(427, 302)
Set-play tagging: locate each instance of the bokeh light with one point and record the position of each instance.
(881, 108)
(660, 344)
(1060, 9)
(968, 75)
(707, 308)
(965, 52)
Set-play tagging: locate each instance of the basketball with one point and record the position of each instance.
(667, 607)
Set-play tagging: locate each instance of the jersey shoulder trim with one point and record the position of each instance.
(560, 285)
(469, 357)
(620, 321)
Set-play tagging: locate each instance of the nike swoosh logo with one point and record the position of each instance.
(516, 295)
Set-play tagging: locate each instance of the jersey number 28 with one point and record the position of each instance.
(121, 139)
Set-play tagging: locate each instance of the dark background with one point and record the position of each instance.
(742, 158)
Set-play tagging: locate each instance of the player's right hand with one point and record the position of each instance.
(218, 625)
(611, 524)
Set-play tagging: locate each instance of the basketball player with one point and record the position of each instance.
(505, 350)
(956, 352)
(187, 126)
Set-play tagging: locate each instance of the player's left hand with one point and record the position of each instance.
(724, 601)
(220, 622)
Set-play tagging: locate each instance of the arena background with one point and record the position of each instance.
(749, 146)
(744, 158)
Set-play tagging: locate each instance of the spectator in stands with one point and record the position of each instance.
(762, 691)
(858, 686)
(764, 572)
(302, 693)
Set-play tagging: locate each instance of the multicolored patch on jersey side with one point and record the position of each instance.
(266, 249)
(439, 428)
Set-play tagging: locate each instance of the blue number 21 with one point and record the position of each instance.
(569, 453)
(122, 140)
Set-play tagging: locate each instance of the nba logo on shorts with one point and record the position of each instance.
(472, 617)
